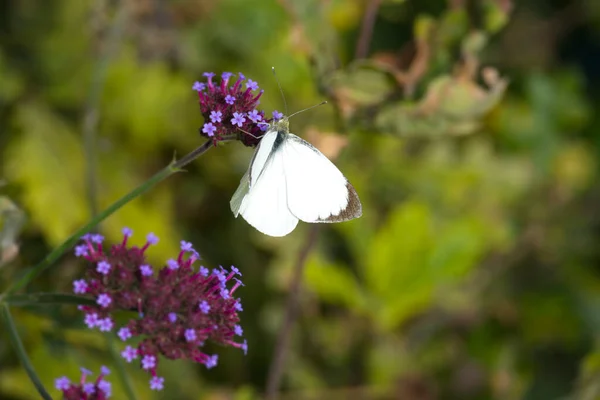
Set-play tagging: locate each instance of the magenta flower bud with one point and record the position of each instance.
(98, 389)
(226, 105)
(178, 310)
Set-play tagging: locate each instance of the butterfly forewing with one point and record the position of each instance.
(261, 155)
(316, 189)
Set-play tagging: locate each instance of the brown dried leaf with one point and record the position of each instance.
(330, 144)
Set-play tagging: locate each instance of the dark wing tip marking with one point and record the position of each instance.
(352, 210)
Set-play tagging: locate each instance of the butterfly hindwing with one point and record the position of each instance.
(261, 198)
(240, 193)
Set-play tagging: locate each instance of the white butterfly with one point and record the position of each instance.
(290, 180)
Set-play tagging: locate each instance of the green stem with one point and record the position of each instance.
(18, 345)
(172, 168)
(42, 299)
(118, 360)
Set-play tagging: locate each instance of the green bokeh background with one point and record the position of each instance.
(472, 140)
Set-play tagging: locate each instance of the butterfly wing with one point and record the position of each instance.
(316, 189)
(261, 198)
(236, 200)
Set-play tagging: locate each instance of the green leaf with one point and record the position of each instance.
(42, 160)
(146, 100)
(451, 106)
(395, 272)
(332, 282)
(458, 249)
(12, 219)
(496, 15)
(362, 85)
(18, 346)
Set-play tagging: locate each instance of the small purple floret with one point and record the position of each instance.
(106, 387)
(190, 335)
(172, 264)
(238, 330)
(148, 362)
(105, 325)
(238, 305)
(62, 383)
(146, 270)
(251, 85)
(157, 383)
(209, 129)
(229, 99)
(103, 267)
(129, 354)
(89, 388)
(211, 362)
(254, 116)
(186, 246)
(104, 300)
(198, 86)
(124, 333)
(91, 320)
(81, 250)
(204, 306)
(152, 238)
(238, 119)
(97, 238)
(215, 116)
(80, 286)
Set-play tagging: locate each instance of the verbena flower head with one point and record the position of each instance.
(98, 389)
(230, 108)
(177, 308)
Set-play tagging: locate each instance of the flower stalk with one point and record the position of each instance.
(174, 167)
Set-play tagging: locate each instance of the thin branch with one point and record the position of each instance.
(172, 168)
(279, 359)
(366, 29)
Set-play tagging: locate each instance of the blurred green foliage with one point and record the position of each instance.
(469, 130)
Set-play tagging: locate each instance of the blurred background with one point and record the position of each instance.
(468, 127)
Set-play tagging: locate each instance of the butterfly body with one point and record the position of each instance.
(290, 180)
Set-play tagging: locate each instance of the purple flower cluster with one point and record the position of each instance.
(231, 109)
(178, 309)
(99, 389)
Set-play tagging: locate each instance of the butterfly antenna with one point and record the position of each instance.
(309, 108)
(280, 90)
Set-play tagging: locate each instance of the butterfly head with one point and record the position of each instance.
(281, 124)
